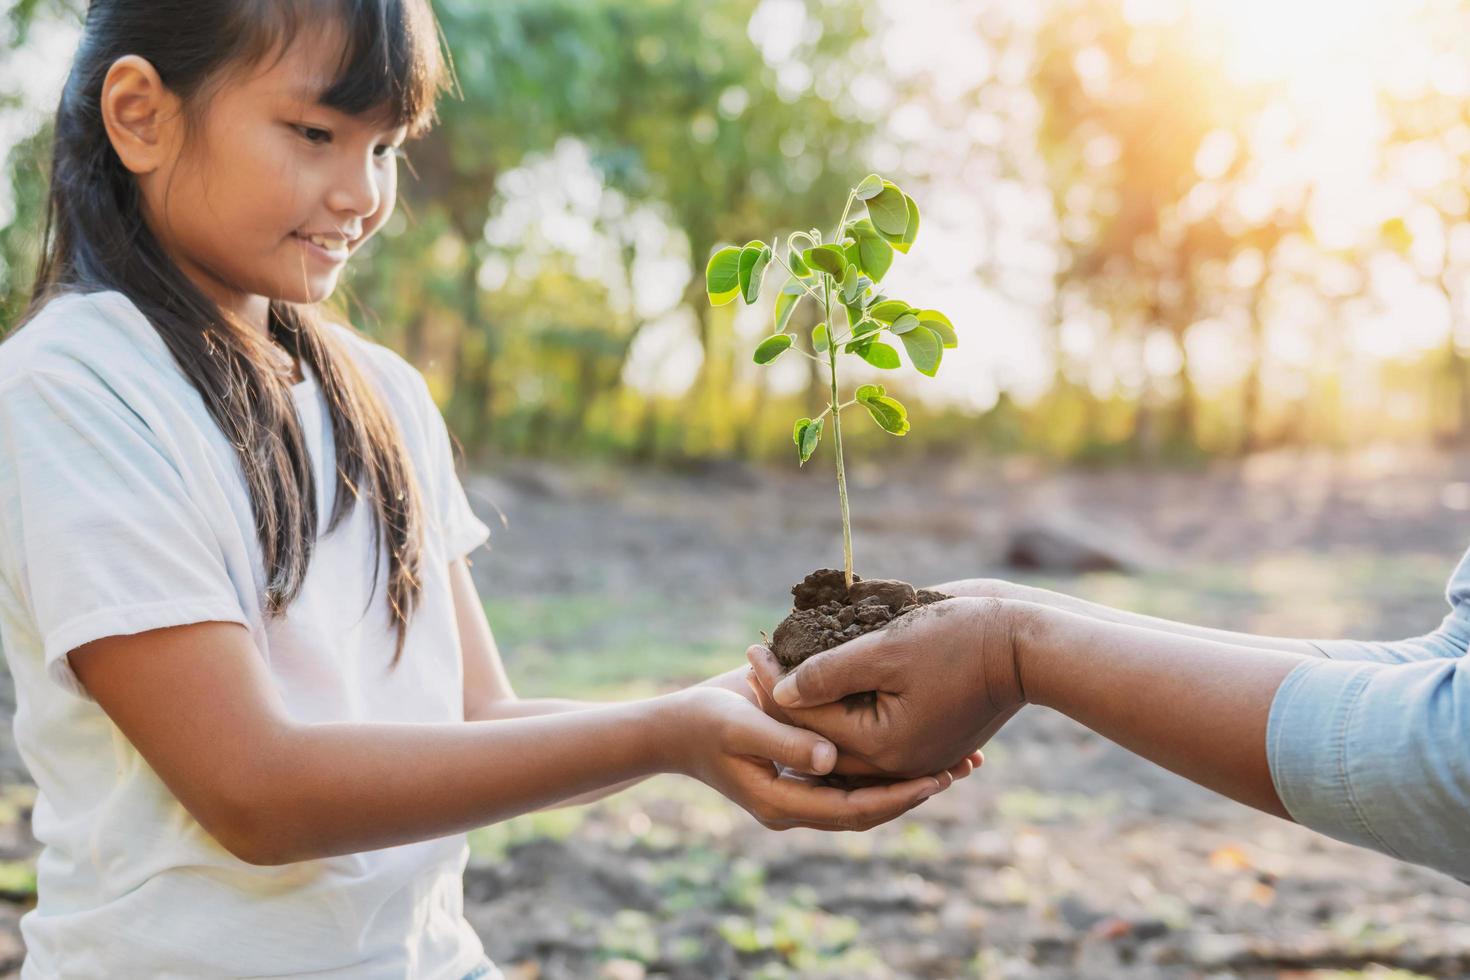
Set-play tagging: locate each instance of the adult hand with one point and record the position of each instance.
(944, 680)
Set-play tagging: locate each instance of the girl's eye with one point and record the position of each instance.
(314, 135)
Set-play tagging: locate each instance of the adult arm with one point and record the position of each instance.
(1369, 753)
(1448, 640)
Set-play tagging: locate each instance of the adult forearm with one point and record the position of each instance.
(1197, 707)
(340, 788)
(1001, 589)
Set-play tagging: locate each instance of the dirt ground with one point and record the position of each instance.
(1065, 856)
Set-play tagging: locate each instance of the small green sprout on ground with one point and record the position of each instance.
(845, 272)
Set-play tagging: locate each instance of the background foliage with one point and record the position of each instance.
(1170, 229)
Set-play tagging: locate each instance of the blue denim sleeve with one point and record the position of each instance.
(1451, 639)
(1376, 755)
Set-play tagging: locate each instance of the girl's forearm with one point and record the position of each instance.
(341, 788)
(1194, 706)
(514, 707)
(1095, 610)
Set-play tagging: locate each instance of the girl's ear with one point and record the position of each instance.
(141, 115)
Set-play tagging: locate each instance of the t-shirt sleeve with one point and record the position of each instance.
(463, 532)
(109, 541)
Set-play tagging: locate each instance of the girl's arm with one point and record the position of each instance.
(1001, 589)
(488, 694)
(200, 707)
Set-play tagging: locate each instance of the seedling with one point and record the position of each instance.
(844, 272)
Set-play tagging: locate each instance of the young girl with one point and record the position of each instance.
(250, 759)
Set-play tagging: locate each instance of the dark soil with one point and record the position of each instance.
(827, 613)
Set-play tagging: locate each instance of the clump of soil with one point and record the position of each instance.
(828, 613)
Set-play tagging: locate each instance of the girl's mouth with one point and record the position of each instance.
(333, 250)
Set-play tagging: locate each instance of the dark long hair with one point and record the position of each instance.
(95, 239)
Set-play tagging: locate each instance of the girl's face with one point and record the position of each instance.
(272, 192)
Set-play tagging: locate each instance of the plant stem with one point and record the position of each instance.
(837, 235)
(791, 276)
(828, 410)
(837, 440)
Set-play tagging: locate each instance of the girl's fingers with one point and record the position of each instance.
(847, 809)
(766, 738)
(764, 667)
(763, 698)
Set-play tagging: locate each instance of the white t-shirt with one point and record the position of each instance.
(124, 508)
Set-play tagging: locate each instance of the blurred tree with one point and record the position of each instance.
(1126, 110)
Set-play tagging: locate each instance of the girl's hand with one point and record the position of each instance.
(721, 738)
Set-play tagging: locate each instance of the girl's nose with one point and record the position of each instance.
(356, 189)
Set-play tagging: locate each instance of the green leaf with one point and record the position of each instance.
(754, 258)
(912, 231)
(940, 324)
(874, 255)
(905, 323)
(798, 268)
(850, 289)
(821, 341)
(924, 349)
(888, 412)
(772, 347)
(888, 310)
(868, 249)
(865, 327)
(889, 210)
(722, 276)
(869, 188)
(786, 304)
(826, 258)
(806, 435)
(880, 355)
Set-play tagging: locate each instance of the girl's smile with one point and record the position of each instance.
(332, 249)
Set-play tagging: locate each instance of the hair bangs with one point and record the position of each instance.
(390, 64)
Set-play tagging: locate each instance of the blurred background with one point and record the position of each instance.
(1209, 263)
